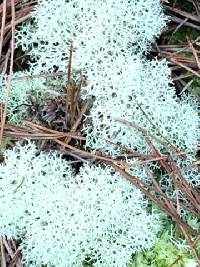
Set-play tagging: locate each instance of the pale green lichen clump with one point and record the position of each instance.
(141, 92)
(63, 219)
(22, 89)
(98, 29)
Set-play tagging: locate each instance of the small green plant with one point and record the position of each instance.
(165, 254)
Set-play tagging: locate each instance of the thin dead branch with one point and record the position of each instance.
(175, 61)
(69, 92)
(194, 52)
(77, 122)
(3, 21)
(9, 83)
(3, 257)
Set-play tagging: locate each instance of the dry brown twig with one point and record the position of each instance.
(194, 52)
(2, 25)
(3, 257)
(13, 252)
(69, 91)
(49, 132)
(175, 61)
(77, 122)
(9, 83)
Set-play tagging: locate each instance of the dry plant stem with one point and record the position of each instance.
(159, 191)
(179, 181)
(180, 25)
(145, 158)
(69, 97)
(1, 110)
(77, 122)
(166, 200)
(5, 65)
(157, 129)
(18, 21)
(63, 144)
(189, 24)
(175, 49)
(56, 133)
(194, 52)
(38, 136)
(197, 7)
(183, 59)
(8, 248)
(168, 203)
(9, 85)
(147, 133)
(3, 258)
(152, 158)
(13, 255)
(183, 13)
(183, 66)
(169, 209)
(17, 259)
(196, 241)
(191, 193)
(80, 159)
(16, 2)
(87, 154)
(186, 87)
(78, 91)
(76, 99)
(13, 244)
(2, 26)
